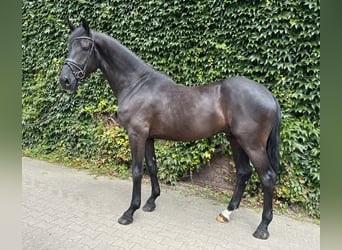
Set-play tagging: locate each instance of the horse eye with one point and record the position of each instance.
(85, 45)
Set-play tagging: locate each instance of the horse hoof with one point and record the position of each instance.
(222, 219)
(261, 234)
(149, 207)
(125, 220)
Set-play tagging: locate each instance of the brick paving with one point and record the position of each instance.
(64, 208)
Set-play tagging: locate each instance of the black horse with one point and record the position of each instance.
(151, 106)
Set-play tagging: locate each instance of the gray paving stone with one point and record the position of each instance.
(64, 208)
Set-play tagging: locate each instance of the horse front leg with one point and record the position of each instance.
(152, 169)
(137, 149)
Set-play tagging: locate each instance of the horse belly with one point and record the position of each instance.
(187, 128)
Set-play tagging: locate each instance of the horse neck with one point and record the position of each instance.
(121, 67)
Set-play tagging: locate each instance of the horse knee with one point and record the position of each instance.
(137, 173)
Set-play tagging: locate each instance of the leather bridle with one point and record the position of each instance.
(77, 70)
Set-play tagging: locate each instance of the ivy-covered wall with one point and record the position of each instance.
(276, 43)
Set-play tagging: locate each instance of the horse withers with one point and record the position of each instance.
(151, 106)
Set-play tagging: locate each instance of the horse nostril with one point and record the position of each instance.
(66, 81)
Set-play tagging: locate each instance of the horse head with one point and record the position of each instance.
(81, 59)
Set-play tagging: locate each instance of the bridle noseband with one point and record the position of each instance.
(79, 73)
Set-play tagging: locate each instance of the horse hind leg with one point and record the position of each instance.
(151, 163)
(243, 173)
(268, 179)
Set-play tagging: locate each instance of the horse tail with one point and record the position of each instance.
(273, 142)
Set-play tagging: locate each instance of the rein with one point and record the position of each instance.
(79, 74)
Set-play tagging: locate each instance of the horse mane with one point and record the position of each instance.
(122, 49)
(134, 56)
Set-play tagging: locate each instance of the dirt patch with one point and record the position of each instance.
(218, 173)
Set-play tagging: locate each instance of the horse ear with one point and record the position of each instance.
(71, 26)
(85, 25)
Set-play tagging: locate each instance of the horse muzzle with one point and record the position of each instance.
(68, 81)
(68, 84)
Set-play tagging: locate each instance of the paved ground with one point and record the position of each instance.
(64, 208)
